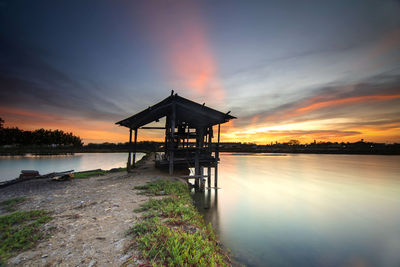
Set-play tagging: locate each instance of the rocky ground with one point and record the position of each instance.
(90, 217)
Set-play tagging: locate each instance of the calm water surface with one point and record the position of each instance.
(307, 210)
(10, 167)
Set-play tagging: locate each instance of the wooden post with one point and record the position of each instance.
(134, 148)
(128, 164)
(209, 177)
(217, 159)
(202, 183)
(172, 142)
(200, 149)
(197, 160)
(166, 135)
(196, 169)
(210, 132)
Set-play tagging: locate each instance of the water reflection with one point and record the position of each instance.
(307, 210)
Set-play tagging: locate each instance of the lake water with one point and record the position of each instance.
(307, 210)
(11, 166)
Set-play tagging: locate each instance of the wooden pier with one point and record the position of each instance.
(189, 136)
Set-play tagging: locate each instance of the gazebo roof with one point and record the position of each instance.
(195, 114)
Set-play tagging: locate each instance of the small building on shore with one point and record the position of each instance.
(189, 136)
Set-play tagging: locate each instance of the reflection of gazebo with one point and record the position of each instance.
(188, 135)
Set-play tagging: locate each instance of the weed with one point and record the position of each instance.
(21, 230)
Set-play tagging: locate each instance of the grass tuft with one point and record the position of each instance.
(172, 232)
(89, 174)
(20, 231)
(10, 205)
(163, 187)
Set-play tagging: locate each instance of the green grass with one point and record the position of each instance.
(10, 205)
(89, 174)
(172, 232)
(163, 187)
(20, 231)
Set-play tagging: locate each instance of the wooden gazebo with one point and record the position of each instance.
(188, 136)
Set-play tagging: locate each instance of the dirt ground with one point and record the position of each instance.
(90, 215)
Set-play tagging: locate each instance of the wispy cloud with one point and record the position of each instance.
(28, 81)
(186, 46)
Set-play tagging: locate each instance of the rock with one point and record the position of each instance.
(124, 258)
(119, 244)
(45, 256)
(17, 260)
(92, 263)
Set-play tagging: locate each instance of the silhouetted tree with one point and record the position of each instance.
(1, 123)
(15, 136)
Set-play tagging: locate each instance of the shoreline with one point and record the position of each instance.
(90, 217)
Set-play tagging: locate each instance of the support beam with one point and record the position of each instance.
(152, 128)
(134, 148)
(209, 177)
(210, 134)
(128, 165)
(217, 158)
(202, 183)
(200, 146)
(172, 142)
(166, 138)
(196, 169)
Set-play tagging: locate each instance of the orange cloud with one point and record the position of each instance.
(346, 101)
(289, 123)
(32, 114)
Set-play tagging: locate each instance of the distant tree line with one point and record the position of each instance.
(141, 146)
(294, 146)
(40, 137)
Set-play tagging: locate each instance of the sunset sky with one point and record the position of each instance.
(324, 70)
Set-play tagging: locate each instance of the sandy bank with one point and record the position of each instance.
(90, 217)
